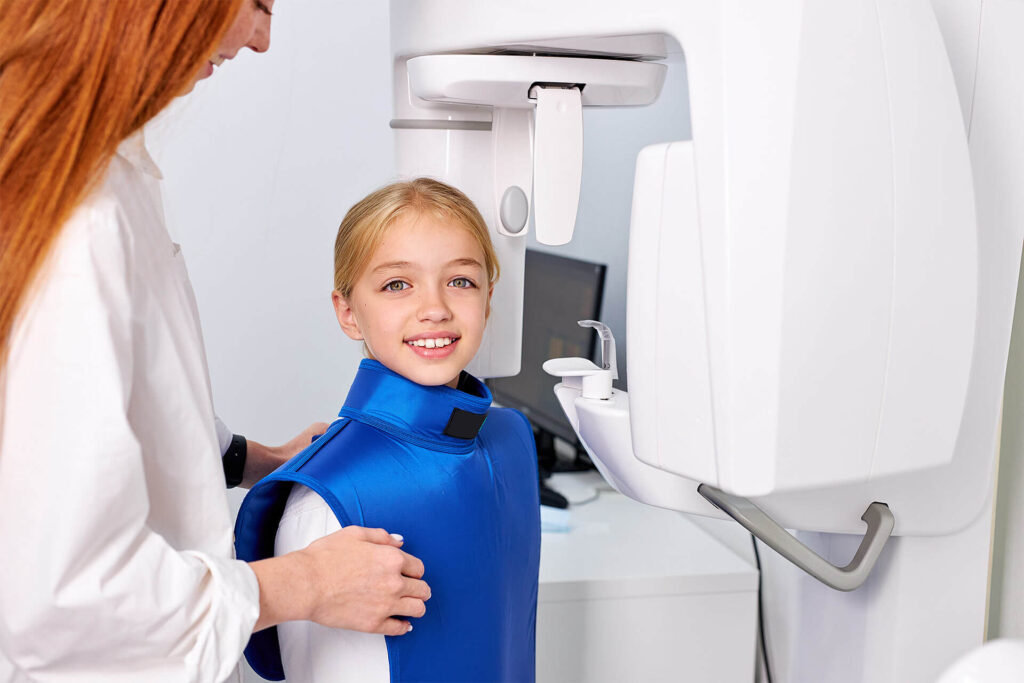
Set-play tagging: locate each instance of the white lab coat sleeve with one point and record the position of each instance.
(223, 435)
(88, 590)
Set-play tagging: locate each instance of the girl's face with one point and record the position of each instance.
(250, 29)
(421, 303)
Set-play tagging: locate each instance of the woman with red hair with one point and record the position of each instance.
(114, 528)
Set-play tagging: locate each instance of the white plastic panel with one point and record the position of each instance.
(604, 430)
(643, 47)
(935, 253)
(505, 80)
(512, 159)
(557, 163)
(668, 357)
(408, 106)
(834, 299)
(958, 22)
(744, 231)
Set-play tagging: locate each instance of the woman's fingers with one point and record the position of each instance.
(412, 566)
(415, 588)
(394, 627)
(375, 535)
(410, 607)
(363, 581)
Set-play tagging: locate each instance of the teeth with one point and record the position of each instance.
(434, 343)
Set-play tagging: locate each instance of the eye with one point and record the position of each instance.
(462, 283)
(263, 7)
(396, 286)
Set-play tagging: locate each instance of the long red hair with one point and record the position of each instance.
(76, 78)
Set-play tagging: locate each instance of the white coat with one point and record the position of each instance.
(115, 533)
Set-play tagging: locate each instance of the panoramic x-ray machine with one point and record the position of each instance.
(821, 282)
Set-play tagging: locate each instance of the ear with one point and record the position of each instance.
(346, 316)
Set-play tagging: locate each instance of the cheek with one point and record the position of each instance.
(239, 32)
(479, 310)
(363, 316)
(383, 318)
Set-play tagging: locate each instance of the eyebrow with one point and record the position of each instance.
(396, 265)
(392, 266)
(465, 262)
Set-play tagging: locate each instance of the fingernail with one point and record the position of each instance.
(397, 537)
(408, 629)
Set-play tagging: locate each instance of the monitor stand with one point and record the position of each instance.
(548, 463)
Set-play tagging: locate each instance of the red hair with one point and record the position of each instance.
(77, 77)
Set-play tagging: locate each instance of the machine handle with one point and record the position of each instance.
(557, 162)
(880, 523)
(608, 361)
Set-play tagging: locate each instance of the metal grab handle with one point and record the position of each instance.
(604, 332)
(878, 517)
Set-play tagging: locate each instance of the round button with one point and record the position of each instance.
(514, 209)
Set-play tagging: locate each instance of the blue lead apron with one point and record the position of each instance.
(458, 480)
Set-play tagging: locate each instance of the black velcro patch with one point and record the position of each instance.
(464, 424)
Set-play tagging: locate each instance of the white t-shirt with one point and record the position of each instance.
(312, 653)
(115, 531)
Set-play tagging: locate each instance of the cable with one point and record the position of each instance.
(760, 613)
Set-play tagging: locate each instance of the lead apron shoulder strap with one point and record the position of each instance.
(256, 529)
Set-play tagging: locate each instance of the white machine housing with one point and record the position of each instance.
(818, 308)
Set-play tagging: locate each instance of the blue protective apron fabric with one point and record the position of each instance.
(466, 505)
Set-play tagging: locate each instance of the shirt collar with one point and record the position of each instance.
(133, 150)
(440, 417)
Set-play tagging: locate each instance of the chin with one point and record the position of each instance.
(432, 377)
(429, 373)
(439, 380)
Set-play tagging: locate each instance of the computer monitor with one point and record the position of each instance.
(559, 291)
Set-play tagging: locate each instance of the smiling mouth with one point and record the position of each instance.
(433, 342)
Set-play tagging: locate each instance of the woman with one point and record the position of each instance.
(114, 527)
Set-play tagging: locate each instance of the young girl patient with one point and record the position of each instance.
(418, 450)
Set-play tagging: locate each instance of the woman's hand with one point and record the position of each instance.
(355, 578)
(261, 460)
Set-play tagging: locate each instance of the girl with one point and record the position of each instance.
(416, 449)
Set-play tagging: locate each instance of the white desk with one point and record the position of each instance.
(633, 593)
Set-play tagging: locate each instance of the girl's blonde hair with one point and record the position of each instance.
(363, 228)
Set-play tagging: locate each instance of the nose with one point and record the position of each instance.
(432, 305)
(259, 41)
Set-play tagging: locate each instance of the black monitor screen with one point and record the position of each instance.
(558, 292)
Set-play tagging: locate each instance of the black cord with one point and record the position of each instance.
(760, 613)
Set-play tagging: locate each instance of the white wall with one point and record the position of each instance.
(261, 162)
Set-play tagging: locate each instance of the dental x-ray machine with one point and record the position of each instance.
(821, 282)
